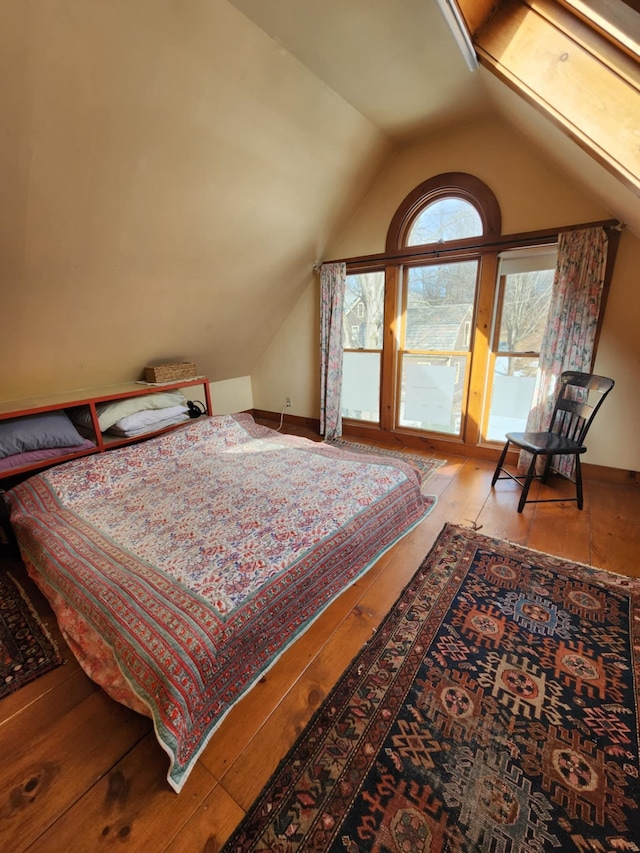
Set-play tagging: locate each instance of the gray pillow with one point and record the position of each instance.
(37, 432)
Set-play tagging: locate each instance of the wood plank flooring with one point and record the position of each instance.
(82, 773)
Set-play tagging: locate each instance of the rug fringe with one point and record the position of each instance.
(41, 624)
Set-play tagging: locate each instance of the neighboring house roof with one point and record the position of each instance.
(437, 327)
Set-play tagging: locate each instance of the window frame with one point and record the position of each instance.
(487, 248)
(483, 248)
(369, 424)
(446, 185)
(495, 351)
(402, 351)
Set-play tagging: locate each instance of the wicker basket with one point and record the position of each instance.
(170, 372)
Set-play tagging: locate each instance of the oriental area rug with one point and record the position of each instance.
(26, 649)
(495, 709)
(426, 465)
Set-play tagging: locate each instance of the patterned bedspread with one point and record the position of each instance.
(180, 569)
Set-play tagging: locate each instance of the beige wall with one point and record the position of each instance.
(532, 194)
(231, 395)
(290, 366)
(168, 176)
(615, 440)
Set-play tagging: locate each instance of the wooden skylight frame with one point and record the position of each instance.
(577, 62)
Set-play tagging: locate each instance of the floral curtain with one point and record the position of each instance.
(332, 286)
(570, 334)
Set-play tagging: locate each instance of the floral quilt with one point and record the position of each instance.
(181, 568)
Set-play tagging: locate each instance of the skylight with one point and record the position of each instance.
(575, 61)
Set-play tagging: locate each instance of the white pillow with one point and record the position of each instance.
(111, 413)
(146, 418)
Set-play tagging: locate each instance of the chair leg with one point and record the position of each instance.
(547, 468)
(578, 482)
(527, 483)
(500, 463)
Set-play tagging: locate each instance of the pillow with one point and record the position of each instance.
(17, 460)
(160, 423)
(111, 413)
(37, 432)
(148, 418)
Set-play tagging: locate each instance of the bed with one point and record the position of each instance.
(182, 567)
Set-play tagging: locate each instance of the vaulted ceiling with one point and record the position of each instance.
(397, 63)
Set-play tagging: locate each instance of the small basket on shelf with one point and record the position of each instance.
(170, 372)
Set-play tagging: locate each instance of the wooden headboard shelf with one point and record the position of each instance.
(92, 397)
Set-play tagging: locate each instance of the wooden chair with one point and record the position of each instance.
(580, 396)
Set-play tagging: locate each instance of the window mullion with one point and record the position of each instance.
(480, 348)
(393, 276)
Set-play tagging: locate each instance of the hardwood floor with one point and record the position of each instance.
(82, 773)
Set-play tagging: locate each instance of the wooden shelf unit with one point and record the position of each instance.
(92, 397)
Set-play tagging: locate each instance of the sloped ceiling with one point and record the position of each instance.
(398, 65)
(395, 61)
(169, 176)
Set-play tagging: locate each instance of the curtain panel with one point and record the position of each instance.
(569, 338)
(333, 279)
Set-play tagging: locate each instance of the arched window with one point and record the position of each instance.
(443, 220)
(439, 329)
(447, 208)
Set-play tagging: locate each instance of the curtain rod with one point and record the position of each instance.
(546, 236)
